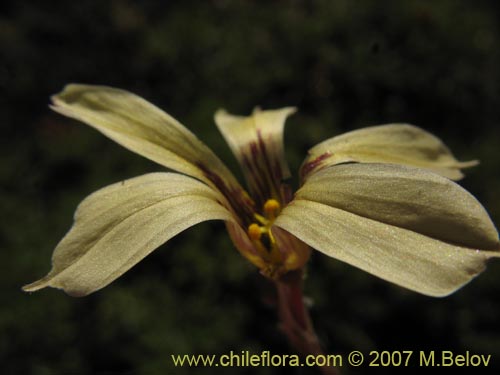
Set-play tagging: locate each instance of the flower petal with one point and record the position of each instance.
(398, 255)
(119, 225)
(393, 143)
(406, 197)
(144, 129)
(257, 143)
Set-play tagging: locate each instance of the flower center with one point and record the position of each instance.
(261, 235)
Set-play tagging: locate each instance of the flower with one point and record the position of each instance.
(381, 199)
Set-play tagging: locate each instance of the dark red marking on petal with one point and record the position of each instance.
(262, 169)
(258, 172)
(253, 175)
(313, 164)
(263, 150)
(254, 150)
(240, 201)
(286, 193)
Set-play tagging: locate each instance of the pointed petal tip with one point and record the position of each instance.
(468, 164)
(493, 253)
(57, 106)
(37, 285)
(55, 100)
(64, 96)
(73, 92)
(68, 88)
(221, 112)
(45, 282)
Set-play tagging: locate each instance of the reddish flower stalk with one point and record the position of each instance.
(295, 321)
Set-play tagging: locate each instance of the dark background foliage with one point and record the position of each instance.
(345, 64)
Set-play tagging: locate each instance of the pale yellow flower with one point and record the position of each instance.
(380, 198)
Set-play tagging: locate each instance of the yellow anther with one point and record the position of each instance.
(271, 208)
(261, 235)
(254, 231)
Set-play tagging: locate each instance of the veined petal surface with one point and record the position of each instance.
(392, 143)
(119, 225)
(257, 143)
(144, 129)
(407, 197)
(398, 255)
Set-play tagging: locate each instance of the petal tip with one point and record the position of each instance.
(37, 285)
(220, 112)
(469, 164)
(45, 282)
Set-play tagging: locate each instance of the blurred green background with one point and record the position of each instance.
(345, 64)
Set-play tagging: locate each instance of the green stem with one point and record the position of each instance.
(295, 321)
